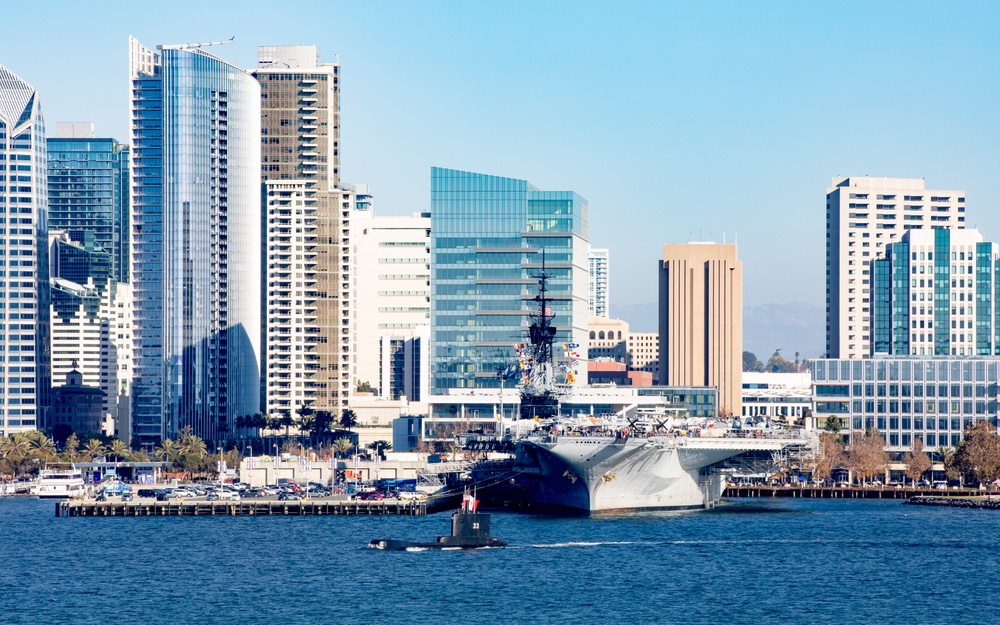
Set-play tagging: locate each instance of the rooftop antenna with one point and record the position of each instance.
(191, 46)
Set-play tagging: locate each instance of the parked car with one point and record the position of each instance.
(408, 495)
(287, 495)
(371, 495)
(126, 496)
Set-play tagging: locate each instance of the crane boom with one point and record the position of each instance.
(191, 46)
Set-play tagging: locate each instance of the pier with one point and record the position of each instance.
(89, 508)
(851, 492)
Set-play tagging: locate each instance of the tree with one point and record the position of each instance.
(832, 455)
(72, 447)
(867, 457)
(977, 457)
(834, 424)
(777, 364)
(348, 419)
(364, 387)
(948, 461)
(286, 421)
(380, 447)
(118, 449)
(916, 461)
(92, 449)
(343, 445)
(16, 452)
(750, 362)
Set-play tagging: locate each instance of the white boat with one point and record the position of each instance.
(60, 482)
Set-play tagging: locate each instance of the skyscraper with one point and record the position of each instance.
(488, 239)
(88, 190)
(25, 384)
(936, 295)
(307, 222)
(599, 277)
(196, 222)
(863, 215)
(701, 319)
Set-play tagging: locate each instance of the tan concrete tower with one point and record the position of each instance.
(701, 319)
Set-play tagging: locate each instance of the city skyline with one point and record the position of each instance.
(638, 108)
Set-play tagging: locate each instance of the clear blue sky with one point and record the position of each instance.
(677, 121)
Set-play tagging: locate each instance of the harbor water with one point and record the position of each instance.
(748, 561)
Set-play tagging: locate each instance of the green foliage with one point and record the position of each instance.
(364, 387)
(750, 362)
(834, 424)
(348, 419)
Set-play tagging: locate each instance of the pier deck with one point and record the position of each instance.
(241, 508)
(813, 492)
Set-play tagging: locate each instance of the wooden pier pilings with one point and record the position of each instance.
(242, 508)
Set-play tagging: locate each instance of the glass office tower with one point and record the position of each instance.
(88, 190)
(488, 235)
(195, 242)
(25, 383)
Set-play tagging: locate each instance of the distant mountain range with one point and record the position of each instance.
(795, 327)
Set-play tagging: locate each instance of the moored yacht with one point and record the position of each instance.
(60, 482)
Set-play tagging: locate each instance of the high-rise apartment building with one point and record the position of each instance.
(91, 330)
(392, 288)
(701, 319)
(25, 384)
(936, 295)
(644, 353)
(599, 275)
(196, 232)
(88, 185)
(489, 236)
(307, 298)
(862, 216)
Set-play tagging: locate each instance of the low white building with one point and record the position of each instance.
(781, 396)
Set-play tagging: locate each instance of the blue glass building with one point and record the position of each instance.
(936, 295)
(196, 233)
(488, 235)
(25, 381)
(88, 190)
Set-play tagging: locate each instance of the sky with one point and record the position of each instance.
(677, 121)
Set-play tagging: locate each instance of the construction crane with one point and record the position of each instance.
(191, 46)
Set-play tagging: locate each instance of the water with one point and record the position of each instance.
(768, 561)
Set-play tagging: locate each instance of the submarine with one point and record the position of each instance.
(469, 530)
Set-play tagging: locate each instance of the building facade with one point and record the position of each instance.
(862, 216)
(25, 381)
(196, 241)
(643, 353)
(784, 397)
(934, 399)
(489, 236)
(701, 319)
(600, 275)
(608, 340)
(88, 182)
(391, 259)
(307, 299)
(936, 295)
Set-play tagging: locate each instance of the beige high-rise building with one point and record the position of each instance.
(307, 298)
(862, 215)
(701, 319)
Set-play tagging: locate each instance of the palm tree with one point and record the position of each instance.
(343, 445)
(380, 447)
(348, 419)
(92, 449)
(43, 448)
(118, 449)
(286, 421)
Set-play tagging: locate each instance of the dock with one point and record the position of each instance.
(853, 492)
(90, 508)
